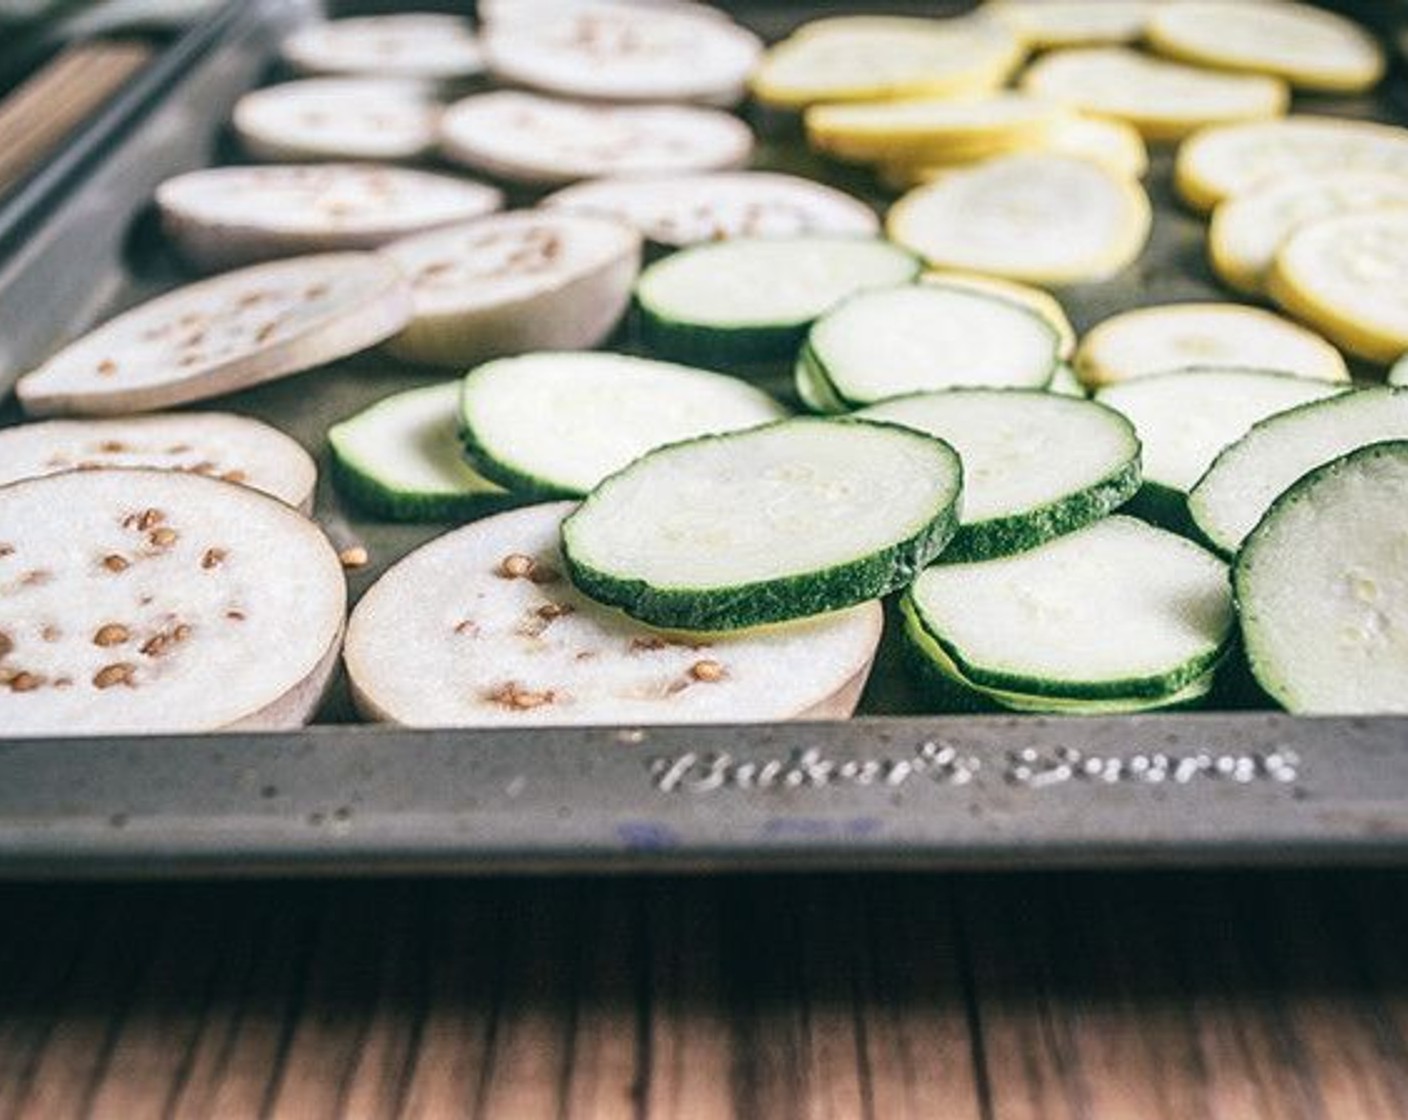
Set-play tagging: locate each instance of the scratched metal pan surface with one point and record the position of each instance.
(891, 788)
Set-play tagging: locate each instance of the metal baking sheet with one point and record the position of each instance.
(891, 788)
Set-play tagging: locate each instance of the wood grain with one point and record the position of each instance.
(1226, 997)
(41, 113)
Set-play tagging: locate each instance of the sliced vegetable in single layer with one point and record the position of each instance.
(400, 459)
(515, 282)
(1163, 100)
(1072, 23)
(142, 601)
(1114, 145)
(687, 209)
(478, 628)
(1117, 611)
(787, 521)
(622, 52)
(1347, 276)
(1186, 417)
(1150, 340)
(754, 299)
(1247, 231)
(868, 58)
(1307, 46)
(217, 444)
(920, 337)
(1248, 476)
(224, 334)
(223, 217)
(1230, 159)
(1322, 588)
(956, 693)
(931, 128)
(1034, 299)
(547, 141)
(1398, 375)
(1037, 218)
(557, 424)
(1035, 465)
(338, 118)
(426, 45)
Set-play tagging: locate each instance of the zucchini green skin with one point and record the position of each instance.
(779, 600)
(717, 347)
(527, 487)
(763, 602)
(370, 495)
(1161, 685)
(955, 694)
(1165, 507)
(1002, 536)
(1259, 660)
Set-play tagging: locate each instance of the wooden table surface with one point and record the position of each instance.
(1016, 998)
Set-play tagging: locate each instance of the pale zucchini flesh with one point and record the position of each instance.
(1186, 417)
(1247, 477)
(400, 459)
(1151, 340)
(1322, 588)
(1228, 159)
(1342, 274)
(1035, 218)
(446, 638)
(1035, 465)
(1163, 100)
(782, 522)
(1118, 610)
(753, 299)
(891, 341)
(557, 424)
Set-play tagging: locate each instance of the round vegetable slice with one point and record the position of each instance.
(931, 127)
(620, 52)
(791, 520)
(1112, 144)
(863, 58)
(754, 299)
(687, 209)
(1038, 218)
(546, 141)
(557, 424)
(1071, 23)
(139, 601)
(1163, 100)
(1186, 417)
(887, 342)
(217, 444)
(1118, 610)
(510, 283)
(956, 693)
(224, 334)
(1343, 275)
(338, 118)
(1322, 592)
(1248, 476)
(450, 636)
(1033, 299)
(424, 45)
(1398, 374)
(224, 217)
(1307, 46)
(1230, 159)
(1035, 465)
(1247, 231)
(400, 459)
(1175, 336)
